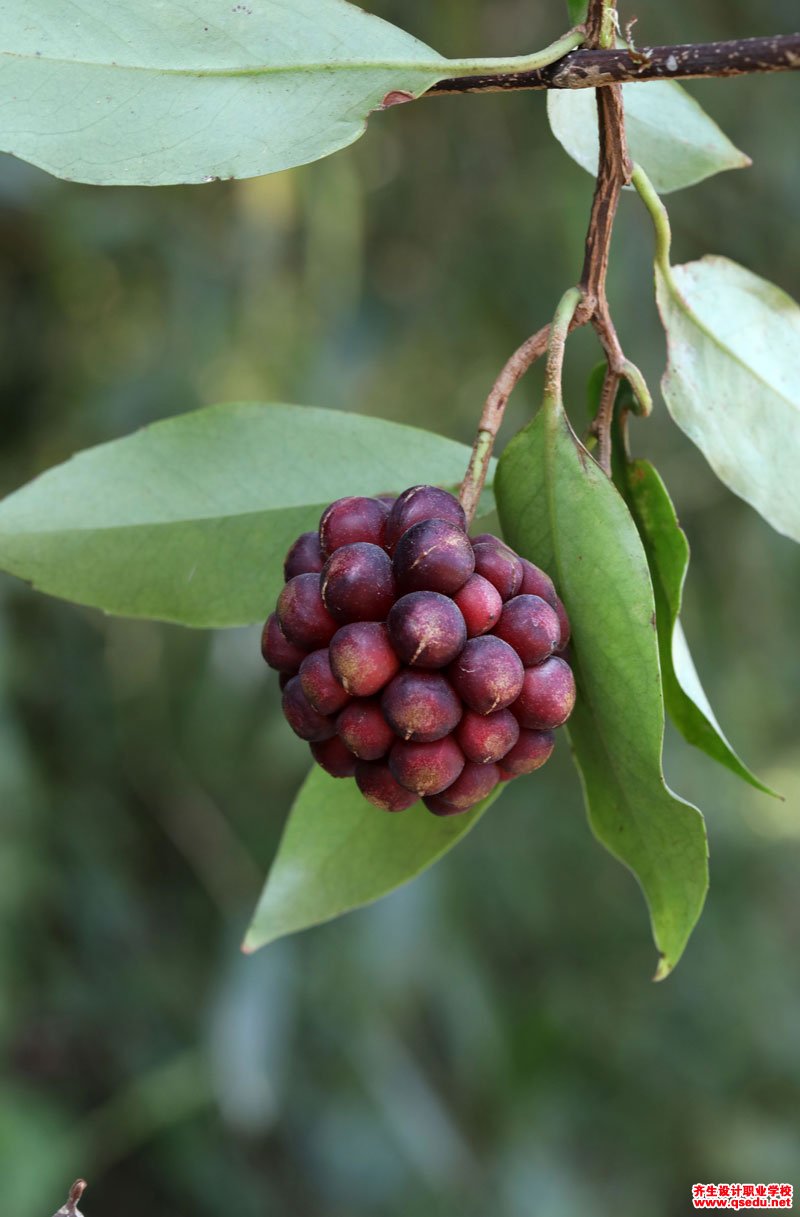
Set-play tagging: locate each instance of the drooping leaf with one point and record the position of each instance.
(667, 551)
(338, 853)
(150, 92)
(669, 134)
(189, 520)
(732, 379)
(558, 509)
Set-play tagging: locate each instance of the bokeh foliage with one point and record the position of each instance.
(487, 1039)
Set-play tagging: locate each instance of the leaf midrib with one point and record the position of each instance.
(597, 719)
(440, 67)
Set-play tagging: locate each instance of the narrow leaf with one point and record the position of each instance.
(731, 381)
(669, 134)
(189, 520)
(558, 509)
(667, 553)
(338, 852)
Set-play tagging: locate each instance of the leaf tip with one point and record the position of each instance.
(663, 970)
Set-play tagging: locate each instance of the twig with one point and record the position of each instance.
(597, 67)
(493, 411)
(614, 172)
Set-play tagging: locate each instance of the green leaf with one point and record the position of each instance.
(667, 553)
(150, 92)
(669, 134)
(732, 379)
(338, 853)
(189, 520)
(558, 509)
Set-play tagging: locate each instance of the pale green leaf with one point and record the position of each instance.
(558, 509)
(667, 551)
(338, 852)
(732, 379)
(189, 520)
(148, 92)
(669, 134)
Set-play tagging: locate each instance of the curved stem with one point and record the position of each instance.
(638, 384)
(562, 323)
(492, 417)
(521, 63)
(658, 213)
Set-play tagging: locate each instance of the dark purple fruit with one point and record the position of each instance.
(302, 717)
(364, 731)
(475, 783)
(433, 556)
(547, 696)
(426, 629)
(304, 558)
(378, 787)
(486, 738)
(352, 519)
(320, 685)
(487, 675)
(529, 754)
(362, 658)
(563, 621)
(480, 605)
(303, 617)
(421, 503)
(334, 758)
(421, 706)
(531, 627)
(426, 768)
(536, 583)
(278, 651)
(358, 583)
(500, 566)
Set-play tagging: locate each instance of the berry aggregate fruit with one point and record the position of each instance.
(416, 660)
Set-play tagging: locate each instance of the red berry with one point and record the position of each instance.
(421, 503)
(362, 658)
(352, 519)
(529, 753)
(304, 558)
(302, 717)
(278, 651)
(531, 627)
(426, 768)
(433, 556)
(485, 738)
(500, 566)
(320, 685)
(536, 583)
(426, 629)
(475, 784)
(378, 787)
(547, 697)
(488, 538)
(358, 583)
(334, 758)
(487, 674)
(480, 605)
(303, 617)
(421, 706)
(364, 731)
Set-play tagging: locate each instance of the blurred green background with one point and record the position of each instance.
(487, 1040)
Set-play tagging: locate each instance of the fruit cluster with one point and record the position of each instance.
(416, 659)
